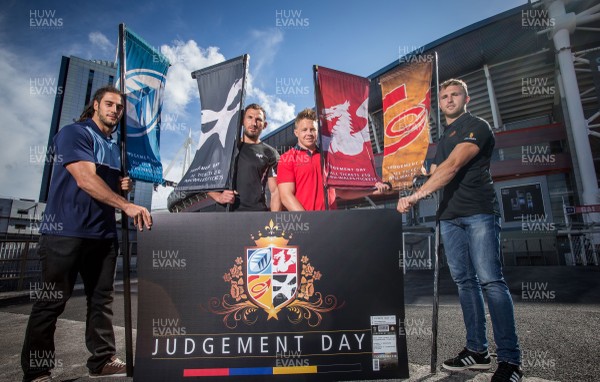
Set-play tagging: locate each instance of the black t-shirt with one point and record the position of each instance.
(471, 191)
(255, 163)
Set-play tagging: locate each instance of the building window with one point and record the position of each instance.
(111, 80)
(88, 92)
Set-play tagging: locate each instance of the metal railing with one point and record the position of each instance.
(19, 263)
(583, 248)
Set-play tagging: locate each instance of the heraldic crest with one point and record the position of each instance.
(272, 277)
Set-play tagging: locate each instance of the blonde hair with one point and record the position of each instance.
(305, 114)
(454, 82)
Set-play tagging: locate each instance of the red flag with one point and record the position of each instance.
(343, 101)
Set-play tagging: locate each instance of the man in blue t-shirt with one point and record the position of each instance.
(79, 236)
(470, 229)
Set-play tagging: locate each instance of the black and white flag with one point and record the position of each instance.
(221, 90)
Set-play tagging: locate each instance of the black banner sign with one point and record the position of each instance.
(221, 88)
(271, 296)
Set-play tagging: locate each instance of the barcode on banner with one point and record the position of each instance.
(375, 365)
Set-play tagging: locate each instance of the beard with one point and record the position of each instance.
(253, 136)
(107, 121)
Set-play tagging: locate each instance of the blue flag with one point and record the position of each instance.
(145, 77)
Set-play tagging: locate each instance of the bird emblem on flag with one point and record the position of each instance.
(222, 117)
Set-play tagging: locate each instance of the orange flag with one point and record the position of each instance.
(406, 103)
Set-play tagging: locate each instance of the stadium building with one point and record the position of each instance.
(533, 74)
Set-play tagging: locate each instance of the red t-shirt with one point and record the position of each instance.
(303, 168)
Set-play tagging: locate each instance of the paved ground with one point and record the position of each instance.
(558, 329)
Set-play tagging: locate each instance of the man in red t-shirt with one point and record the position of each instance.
(300, 179)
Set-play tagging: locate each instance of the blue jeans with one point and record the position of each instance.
(472, 248)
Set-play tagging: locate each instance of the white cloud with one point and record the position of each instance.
(185, 58)
(27, 111)
(265, 44)
(278, 111)
(101, 41)
(264, 47)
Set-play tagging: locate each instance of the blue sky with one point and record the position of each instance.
(355, 37)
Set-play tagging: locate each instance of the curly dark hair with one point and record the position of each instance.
(88, 112)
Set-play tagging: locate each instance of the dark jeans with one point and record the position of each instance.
(62, 258)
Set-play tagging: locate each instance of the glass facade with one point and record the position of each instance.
(83, 78)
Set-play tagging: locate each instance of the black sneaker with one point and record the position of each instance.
(467, 359)
(507, 372)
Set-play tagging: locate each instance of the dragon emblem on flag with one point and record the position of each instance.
(272, 277)
(343, 139)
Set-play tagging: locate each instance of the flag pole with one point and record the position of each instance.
(436, 260)
(321, 149)
(124, 218)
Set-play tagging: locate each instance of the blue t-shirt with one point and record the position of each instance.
(70, 211)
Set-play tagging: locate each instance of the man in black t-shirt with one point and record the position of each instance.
(470, 229)
(255, 168)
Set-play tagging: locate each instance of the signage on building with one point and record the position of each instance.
(589, 209)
